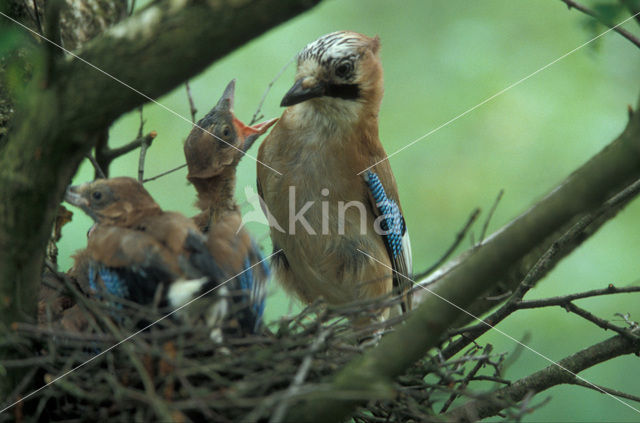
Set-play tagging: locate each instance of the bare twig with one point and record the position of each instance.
(481, 362)
(459, 238)
(473, 332)
(633, 8)
(114, 153)
(144, 146)
(491, 212)
(567, 242)
(96, 166)
(256, 116)
(626, 34)
(160, 175)
(601, 389)
(192, 106)
(562, 300)
(604, 324)
(105, 155)
(142, 122)
(552, 375)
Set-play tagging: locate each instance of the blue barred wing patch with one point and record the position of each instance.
(112, 281)
(392, 222)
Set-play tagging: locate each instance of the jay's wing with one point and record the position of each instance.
(386, 208)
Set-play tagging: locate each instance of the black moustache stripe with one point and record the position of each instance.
(345, 91)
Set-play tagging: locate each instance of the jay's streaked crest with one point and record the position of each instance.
(135, 249)
(212, 161)
(325, 139)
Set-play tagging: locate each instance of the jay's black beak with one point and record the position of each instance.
(299, 93)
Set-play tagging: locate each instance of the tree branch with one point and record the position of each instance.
(607, 173)
(634, 8)
(556, 252)
(107, 155)
(602, 389)
(582, 228)
(559, 301)
(626, 34)
(544, 379)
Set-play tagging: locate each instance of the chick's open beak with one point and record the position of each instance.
(251, 133)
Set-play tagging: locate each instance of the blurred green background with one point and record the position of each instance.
(440, 59)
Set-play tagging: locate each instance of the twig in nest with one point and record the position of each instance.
(192, 106)
(256, 116)
(299, 378)
(626, 34)
(459, 238)
(481, 362)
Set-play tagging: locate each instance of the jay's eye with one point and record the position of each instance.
(226, 131)
(97, 195)
(344, 69)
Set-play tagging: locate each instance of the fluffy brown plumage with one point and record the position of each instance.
(324, 139)
(135, 249)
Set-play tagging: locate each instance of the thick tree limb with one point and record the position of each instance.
(610, 171)
(544, 379)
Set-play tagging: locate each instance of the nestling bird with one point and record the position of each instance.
(135, 249)
(337, 192)
(213, 150)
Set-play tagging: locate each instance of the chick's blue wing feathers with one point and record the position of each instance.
(260, 275)
(135, 282)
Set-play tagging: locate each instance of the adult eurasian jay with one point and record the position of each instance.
(337, 198)
(135, 249)
(213, 150)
